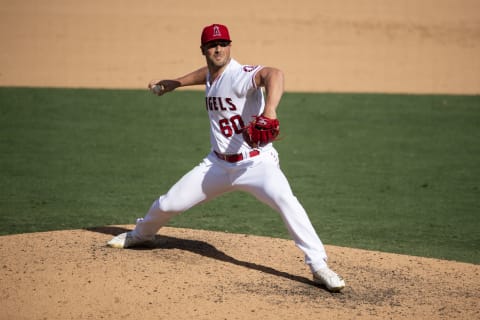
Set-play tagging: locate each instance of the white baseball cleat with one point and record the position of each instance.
(128, 240)
(329, 279)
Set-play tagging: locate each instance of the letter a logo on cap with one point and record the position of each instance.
(216, 31)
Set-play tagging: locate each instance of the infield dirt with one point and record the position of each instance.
(341, 46)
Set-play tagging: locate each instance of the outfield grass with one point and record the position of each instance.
(395, 173)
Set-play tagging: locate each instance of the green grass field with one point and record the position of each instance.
(396, 173)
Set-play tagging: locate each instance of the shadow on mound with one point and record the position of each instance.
(204, 249)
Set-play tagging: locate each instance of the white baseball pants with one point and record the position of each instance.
(261, 176)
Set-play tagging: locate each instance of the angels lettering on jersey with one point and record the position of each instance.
(219, 104)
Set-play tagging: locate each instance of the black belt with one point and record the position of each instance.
(236, 157)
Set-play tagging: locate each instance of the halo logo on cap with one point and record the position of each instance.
(215, 32)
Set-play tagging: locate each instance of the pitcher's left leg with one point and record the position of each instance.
(268, 184)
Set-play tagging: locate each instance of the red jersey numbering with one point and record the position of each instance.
(231, 126)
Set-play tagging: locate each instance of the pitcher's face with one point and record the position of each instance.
(217, 53)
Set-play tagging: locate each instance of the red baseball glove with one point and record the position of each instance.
(261, 131)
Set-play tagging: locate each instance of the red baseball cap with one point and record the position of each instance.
(215, 32)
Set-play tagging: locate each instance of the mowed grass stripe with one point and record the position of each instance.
(397, 173)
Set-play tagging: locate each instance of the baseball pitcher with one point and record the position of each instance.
(243, 125)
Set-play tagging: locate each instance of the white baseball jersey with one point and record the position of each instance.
(232, 100)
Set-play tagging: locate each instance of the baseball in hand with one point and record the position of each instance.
(158, 89)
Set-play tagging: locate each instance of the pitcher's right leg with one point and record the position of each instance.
(201, 184)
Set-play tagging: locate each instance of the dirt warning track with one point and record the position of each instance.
(428, 46)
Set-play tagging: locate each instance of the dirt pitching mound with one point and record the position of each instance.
(192, 274)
